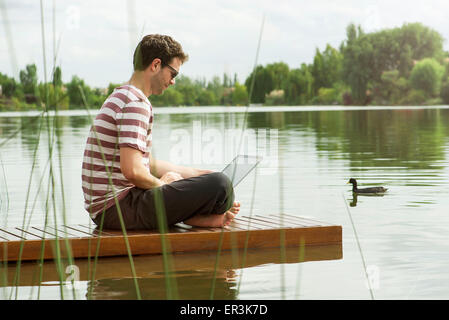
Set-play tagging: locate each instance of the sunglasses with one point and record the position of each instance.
(174, 72)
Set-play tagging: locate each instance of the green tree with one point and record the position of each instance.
(426, 75)
(111, 87)
(8, 84)
(405, 61)
(333, 60)
(424, 41)
(299, 87)
(170, 97)
(397, 48)
(28, 80)
(216, 88)
(189, 89)
(326, 68)
(227, 83)
(318, 72)
(391, 89)
(279, 74)
(56, 98)
(357, 61)
(96, 98)
(239, 95)
(74, 88)
(263, 84)
(367, 56)
(206, 98)
(57, 77)
(327, 96)
(445, 92)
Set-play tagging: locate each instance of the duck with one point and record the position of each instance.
(365, 190)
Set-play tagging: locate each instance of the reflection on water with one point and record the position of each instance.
(200, 275)
(195, 285)
(403, 234)
(355, 196)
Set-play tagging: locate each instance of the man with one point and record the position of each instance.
(122, 182)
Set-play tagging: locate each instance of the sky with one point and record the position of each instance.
(95, 39)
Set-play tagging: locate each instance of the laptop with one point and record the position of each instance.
(240, 167)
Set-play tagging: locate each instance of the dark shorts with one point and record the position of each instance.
(178, 201)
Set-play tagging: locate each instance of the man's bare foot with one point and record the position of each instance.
(215, 220)
(230, 214)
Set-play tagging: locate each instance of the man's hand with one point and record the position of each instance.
(170, 177)
(160, 167)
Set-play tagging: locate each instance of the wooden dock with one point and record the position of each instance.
(82, 241)
(153, 266)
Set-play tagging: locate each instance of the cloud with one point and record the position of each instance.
(98, 37)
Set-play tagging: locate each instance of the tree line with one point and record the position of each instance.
(400, 66)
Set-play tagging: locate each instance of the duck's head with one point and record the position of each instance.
(352, 181)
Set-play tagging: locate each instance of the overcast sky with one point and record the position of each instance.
(97, 37)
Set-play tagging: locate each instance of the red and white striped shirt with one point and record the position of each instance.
(125, 119)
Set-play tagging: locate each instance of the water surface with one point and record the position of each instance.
(310, 153)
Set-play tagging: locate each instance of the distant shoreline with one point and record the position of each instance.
(223, 109)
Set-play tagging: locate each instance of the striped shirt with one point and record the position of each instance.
(124, 120)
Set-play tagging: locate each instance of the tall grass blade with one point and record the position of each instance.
(365, 270)
(302, 251)
(9, 38)
(170, 280)
(110, 183)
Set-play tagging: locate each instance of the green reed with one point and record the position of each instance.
(51, 140)
(52, 131)
(119, 211)
(301, 256)
(245, 119)
(4, 277)
(13, 134)
(54, 136)
(360, 249)
(170, 280)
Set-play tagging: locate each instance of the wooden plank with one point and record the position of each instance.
(236, 226)
(274, 223)
(81, 231)
(307, 221)
(253, 223)
(92, 229)
(108, 232)
(17, 233)
(3, 239)
(187, 242)
(10, 236)
(82, 240)
(35, 231)
(200, 230)
(49, 232)
(69, 231)
(27, 234)
(58, 232)
(294, 222)
(297, 222)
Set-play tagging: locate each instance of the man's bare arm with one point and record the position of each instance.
(161, 167)
(135, 171)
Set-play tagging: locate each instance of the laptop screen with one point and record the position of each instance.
(240, 167)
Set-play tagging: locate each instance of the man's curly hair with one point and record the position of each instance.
(154, 46)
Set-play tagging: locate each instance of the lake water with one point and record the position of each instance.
(399, 239)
